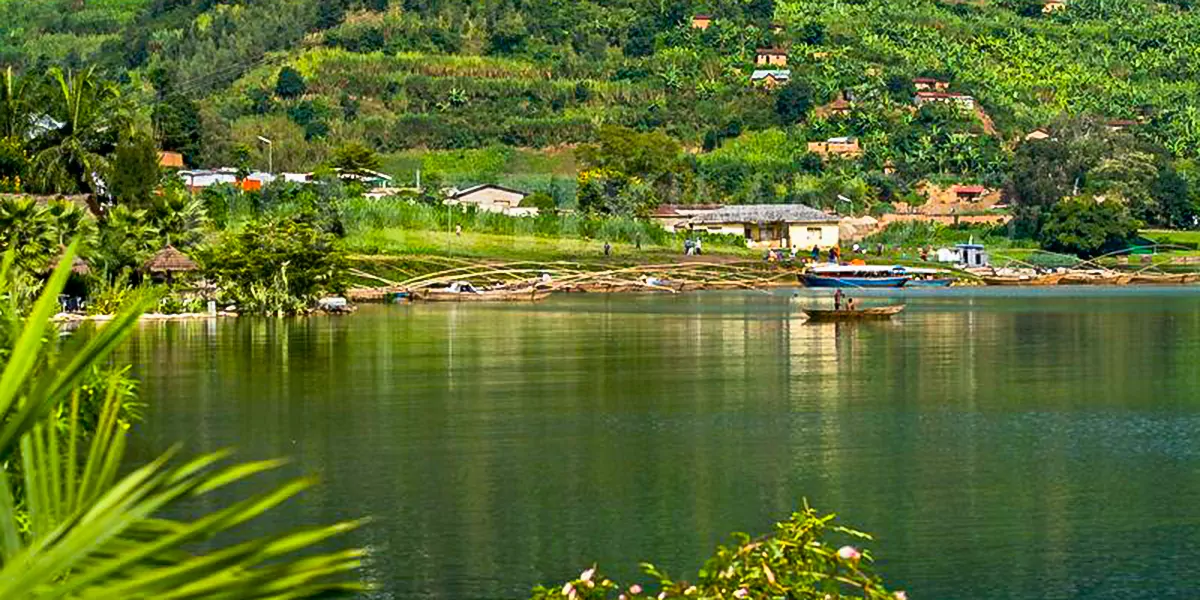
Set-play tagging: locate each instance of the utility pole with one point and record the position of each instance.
(270, 154)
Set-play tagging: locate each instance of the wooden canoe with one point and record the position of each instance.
(525, 295)
(1164, 278)
(1041, 280)
(860, 314)
(1095, 279)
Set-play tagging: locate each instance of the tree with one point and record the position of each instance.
(290, 84)
(541, 201)
(794, 101)
(177, 123)
(86, 531)
(354, 157)
(135, 171)
(1087, 227)
(84, 120)
(1174, 197)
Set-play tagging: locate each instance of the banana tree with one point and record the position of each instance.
(86, 532)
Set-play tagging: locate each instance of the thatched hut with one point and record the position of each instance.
(170, 261)
(79, 266)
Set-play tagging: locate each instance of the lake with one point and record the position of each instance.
(998, 443)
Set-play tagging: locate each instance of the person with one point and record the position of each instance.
(687, 247)
(924, 254)
(816, 254)
(878, 249)
(458, 230)
(607, 249)
(699, 248)
(638, 243)
(857, 248)
(851, 304)
(837, 299)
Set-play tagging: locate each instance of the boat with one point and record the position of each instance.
(1164, 278)
(859, 314)
(465, 292)
(1023, 280)
(855, 276)
(1094, 278)
(925, 278)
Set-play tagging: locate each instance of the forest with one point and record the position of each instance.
(448, 78)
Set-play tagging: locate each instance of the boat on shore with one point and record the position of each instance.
(855, 276)
(1095, 278)
(1164, 278)
(465, 292)
(858, 314)
(1023, 280)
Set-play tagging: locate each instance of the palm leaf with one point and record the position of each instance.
(93, 534)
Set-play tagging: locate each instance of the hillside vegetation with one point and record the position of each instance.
(441, 78)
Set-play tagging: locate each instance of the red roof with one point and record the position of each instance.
(772, 51)
(969, 189)
(702, 18)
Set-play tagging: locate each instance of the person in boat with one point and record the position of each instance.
(851, 304)
(837, 299)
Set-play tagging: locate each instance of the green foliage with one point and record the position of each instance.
(1087, 227)
(798, 560)
(274, 267)
(135, 171)
(73, 527)
(290, 84)
(354, 157)
(540, 200)
(794, 101)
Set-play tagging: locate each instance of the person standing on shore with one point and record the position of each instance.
(607, 249)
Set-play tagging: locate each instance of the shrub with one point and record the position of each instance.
(1086, 227)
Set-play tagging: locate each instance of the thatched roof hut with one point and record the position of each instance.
(170, 260)
(79, 266)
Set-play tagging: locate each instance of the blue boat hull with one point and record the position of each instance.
(817, 281)
(929, 283)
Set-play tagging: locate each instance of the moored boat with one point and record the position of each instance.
(858, 314)
(465, 292)
(1164, 278)
(925, 278)
(855, 276)
(1022, 280)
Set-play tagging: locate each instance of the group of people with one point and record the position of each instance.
(692, 247)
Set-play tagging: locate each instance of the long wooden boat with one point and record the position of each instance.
(929, 283)
(1022, 280)
(523, 295)
(1164, 278)
(859, 314)
(1095, 279)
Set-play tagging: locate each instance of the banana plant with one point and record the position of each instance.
(72, 527)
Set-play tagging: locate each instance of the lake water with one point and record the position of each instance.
(999, 444)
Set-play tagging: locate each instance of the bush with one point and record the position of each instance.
(796, 561)
(1086, 227)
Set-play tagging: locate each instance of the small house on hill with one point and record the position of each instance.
(930, 84)
(772, 225)
(1050, 6)
(770, 79)
(1037, 134)
(702, 22)
(968, 193)
(170, 160)
(493, 198)
(843, 147)
(773, 57)
(963, 101)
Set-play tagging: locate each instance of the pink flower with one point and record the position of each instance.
(635, 589)
(567, 588)
(901, 595)
(587, 575)
(849, 553)
(622, 597)
(741, 593)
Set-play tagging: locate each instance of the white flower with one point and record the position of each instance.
(587, 575)
(901, 595)
(849, 553)
(635, 589)
(741, 593)
(568, 589)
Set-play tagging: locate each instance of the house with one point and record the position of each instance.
(963, 101)
(772, 225)
(197, 180)
(776, 27)
(843, 147)
(839, 106)
(492, 198)
(1050, 6)
(968, 193)
(965, 255)
(773, 57)
(702, 22)
(1120, 124)
(1037, 134)
(770, 79)
(930, 84)
(366, 177)
(674, 217)
(170, 160)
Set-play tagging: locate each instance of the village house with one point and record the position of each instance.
(841, 147)
(839, 106)
(170, 160)
(702, 22)
(770, 79)
(1120, 124)
(1037, 134)
(1050, 6)
(772, 225)
(773, 57)
(929, 84)
(963, 101)
(493, 198)
(968, 193)
(675, 217)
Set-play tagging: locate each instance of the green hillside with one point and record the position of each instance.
(409, 76)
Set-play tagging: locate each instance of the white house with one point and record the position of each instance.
(493, 198)
(772, 225)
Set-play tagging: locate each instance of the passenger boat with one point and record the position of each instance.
(859, 314)
(927, 278)
(855, 276)
(465, 292)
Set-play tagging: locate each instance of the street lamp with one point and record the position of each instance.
(270, 154)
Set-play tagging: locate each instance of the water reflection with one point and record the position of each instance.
(1000, 447)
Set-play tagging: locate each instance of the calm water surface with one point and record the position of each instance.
(1036, 445)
